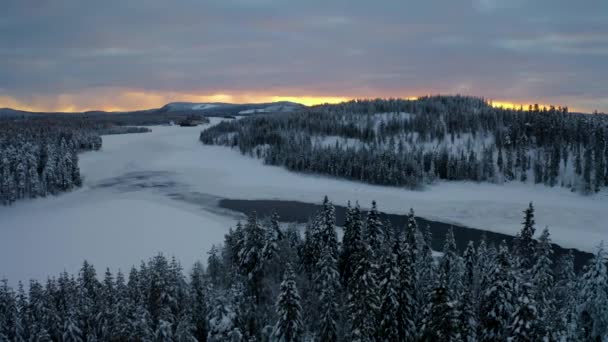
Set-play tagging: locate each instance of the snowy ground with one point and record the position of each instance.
(123, 214)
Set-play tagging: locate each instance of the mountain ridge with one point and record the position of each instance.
(177, 107)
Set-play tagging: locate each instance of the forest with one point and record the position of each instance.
(39, 152)
(40, 158)
(267, 282)
(412, 143)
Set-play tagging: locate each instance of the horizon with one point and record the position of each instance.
(303, 100)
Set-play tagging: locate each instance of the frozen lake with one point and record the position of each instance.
(158, 192)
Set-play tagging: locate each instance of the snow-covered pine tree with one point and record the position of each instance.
(441, 322)
(327, 229)
(425, 266)
(363, 301)
(123, 309)
(8, 312)
(525, 244)
(353, 235)
(215, 271)
(289, 325)
(328, 286)
(544, 284)
(390, 324)
(468, 310)
(451, 266)
(108, 305)
(409, 304)
(566, 298)
(273, 238)
(222, 320)
(71, 330)
(374, 232)
(252, 260)
(198, 295)
(497, 300)
(525, 325)
(593, 310)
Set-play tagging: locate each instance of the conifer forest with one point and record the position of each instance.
(269, 282)
(411, 143)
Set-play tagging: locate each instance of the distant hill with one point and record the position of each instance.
(177, 108)
(13, 113)
(231, 108)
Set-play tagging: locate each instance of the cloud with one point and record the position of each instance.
(65, 51)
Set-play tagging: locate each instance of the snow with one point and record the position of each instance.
(331, 140)
(47, 236)
(278, 107)
(125, 211)
(177, 106)
(203, 106)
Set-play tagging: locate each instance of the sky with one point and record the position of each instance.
(74, 55)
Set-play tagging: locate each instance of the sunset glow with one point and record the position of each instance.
(112, 100)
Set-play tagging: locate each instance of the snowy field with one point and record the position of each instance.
(123, 214)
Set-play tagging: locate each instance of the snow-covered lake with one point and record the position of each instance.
(156, 192)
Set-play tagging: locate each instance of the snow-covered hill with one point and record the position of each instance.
(249, 108)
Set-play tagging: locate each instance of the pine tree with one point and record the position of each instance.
(327, 229)
(594, 299)
(497, 301)
(350, 242)
(389, 322)
(426, 268)
(184, 330)
(275, 235)
(441, 323)
(468, 312)
(327, 284)
(566, 298)
(363, 301)
(289, 324)
(543, 284)
(252, 260)
(409, 310)
(198, 294)
(374, 234)
(71, 331)
(450, 266)
(222, 321)
(525, 244)
(525, 322)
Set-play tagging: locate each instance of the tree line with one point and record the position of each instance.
(41, 158)
(415, 142)
(266, 282)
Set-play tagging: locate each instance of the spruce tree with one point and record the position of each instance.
(497, 300)
(593, 310)
(374, 232)
(289, 324)
(389, 323)
(525, 244)
(198, 295)
(351, 235)
(363, 300)
(525, 324)
(468, 311)
(328, 285)
(441, 323)
(544, 284)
